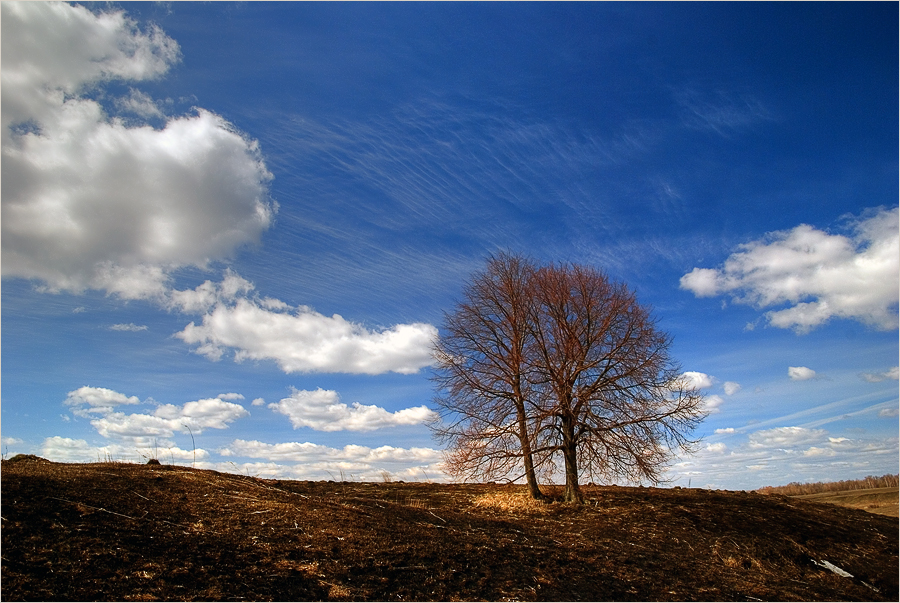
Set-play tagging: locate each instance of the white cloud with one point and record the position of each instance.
(92, 202)
(725, 430)
(722, 113)
(318, 461)
(818, 275)
(230, 396)
(87, 401)
(305, 341)
(206, 296)
(717, 447)
(731, 388)
(697, 380)
(140, 104)
(712, 403)
(141, 429)
(779, 456)
(818, 451)
(11, 441)
(258, 401)
(800, 373)
(128, 327)
(887, 413)
(322, 410)
(893, 373)
(785, 437)
(209, 413)
(52, 50)
(69, 450)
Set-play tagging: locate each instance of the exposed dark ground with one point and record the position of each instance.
(109, 531)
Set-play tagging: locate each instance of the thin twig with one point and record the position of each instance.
(144, 497)
(114, 513)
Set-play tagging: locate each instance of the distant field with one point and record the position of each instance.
(883, 501)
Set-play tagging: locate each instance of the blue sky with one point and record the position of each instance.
(230, 230)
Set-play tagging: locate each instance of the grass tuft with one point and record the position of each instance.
(511, 502)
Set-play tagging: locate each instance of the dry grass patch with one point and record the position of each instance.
(511, 502)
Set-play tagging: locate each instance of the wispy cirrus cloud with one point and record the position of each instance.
(131, 327)
(722, 113)
(855, 277)
(890, 374)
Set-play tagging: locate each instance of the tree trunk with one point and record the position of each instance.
(533, 490)
(573, 492)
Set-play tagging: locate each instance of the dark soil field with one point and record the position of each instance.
(109, 531)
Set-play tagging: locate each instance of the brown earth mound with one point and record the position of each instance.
(144, 532)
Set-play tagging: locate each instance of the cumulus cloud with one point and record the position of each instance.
(818, 275)
(316, 460)
(893, 374)
(302, 340)
(697, 380)
(717, 447)
(166, 420)
(93, 201)
(322, 410)
(143, 429)
(731, 388)
(69, 450)
(89, 401)
(306, 451)
(725, 430)
(801, 373)
(206, 296)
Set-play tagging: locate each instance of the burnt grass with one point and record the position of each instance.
(108, 531)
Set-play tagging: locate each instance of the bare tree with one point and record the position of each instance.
(539, 363)
(488, 405)
(618, 406)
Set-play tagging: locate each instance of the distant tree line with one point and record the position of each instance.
(798, 489)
